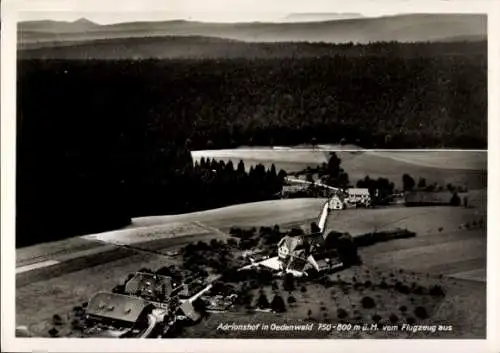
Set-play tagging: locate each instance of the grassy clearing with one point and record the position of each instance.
(442, 167)
(449, 240)
(447, 159)
(422, 220)
(250, 214)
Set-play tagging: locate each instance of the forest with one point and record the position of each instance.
(99, 142)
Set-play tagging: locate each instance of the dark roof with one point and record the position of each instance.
(316, 239)
(297, 264)
(116, 307)
(149, 283)
(322, 264)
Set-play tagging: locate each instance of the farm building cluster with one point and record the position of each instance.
(149, 305)
(350, 198)
(152, 305)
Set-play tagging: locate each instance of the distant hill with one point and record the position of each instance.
(311, 17)
(402, 28)
(47, 26)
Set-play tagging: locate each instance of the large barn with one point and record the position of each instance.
(297, 254)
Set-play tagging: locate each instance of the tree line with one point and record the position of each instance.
(93, 194)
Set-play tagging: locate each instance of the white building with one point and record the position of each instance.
(358, 196)
(336, 203)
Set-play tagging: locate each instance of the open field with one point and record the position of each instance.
(422, 220)
(266, 213)
(321, 304)
(443, 167)
(449, 240)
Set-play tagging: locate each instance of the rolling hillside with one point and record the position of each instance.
(453, 252)
(202, 47)
(403, 28)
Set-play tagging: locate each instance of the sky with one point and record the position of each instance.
(114, 11)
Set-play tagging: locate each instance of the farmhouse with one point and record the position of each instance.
(337, 202)
(358, 196)
(154, 287)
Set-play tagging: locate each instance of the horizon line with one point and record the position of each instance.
(281, 20)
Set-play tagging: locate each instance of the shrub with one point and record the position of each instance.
(119, 289)
(403, 308)
(455, 200)
(291, 299)
(232, 242)
(437, 291)
(76, 325)
(376, 318)
(341, 313)
(410, 320)
(327, 283)
(303, 289)
(368, 302)
(368, 284)
(393, 318)
(57, 320)
(262, 302)
(254, 284)
(421, 312)
(402, 288)
(347, 250)
(53, 332)
(419, 290)
(383, 285)
(146, 270)
(278, 305)
(235, 232)
(288, 282)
